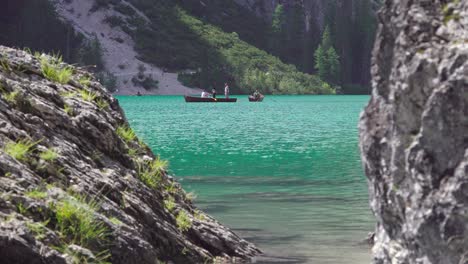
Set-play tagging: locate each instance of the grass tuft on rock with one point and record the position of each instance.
(38, 229)
(169, 204)
(126, 133)
(88, 95)
(19, 150)
(49, 155)
(53, 70)
(36, 194)
(151, 173)
(76, 221)
(11, 97)
(183, 221)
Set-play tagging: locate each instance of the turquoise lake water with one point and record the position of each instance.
(285, 173)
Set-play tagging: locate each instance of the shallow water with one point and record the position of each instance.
(284, 173)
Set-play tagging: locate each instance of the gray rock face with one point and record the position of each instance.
(96, 174)
(414, 133)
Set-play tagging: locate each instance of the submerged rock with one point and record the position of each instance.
(414, 133)
(77, 186)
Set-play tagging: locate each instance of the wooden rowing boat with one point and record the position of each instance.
(194, 99)
(256, 99)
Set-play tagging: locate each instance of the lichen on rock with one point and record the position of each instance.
(414, 133)
(75, 190)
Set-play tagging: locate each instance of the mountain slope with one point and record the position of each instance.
(119, 55)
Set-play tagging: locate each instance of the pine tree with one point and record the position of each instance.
(327, 61)
(333, 62)
(326, 39)
(321, 64)
(278, 23)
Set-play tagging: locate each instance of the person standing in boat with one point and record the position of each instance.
(226, 90)
(213, 93)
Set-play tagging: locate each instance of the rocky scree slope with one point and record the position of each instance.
(414, 138)
(76, 184)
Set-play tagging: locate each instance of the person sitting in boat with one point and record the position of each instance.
(205, 94)
(256, 94)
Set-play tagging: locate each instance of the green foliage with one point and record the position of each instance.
(36, 194)
(147, 82)
(102, 104)
(38, 229)
(169, 204)
(37, 26)
(90, 54)
(11, 97)
(21, 209)
(84, 81)
(126, 133)
(19, 150)
(114, 21)
(77, 223)
(183, 221)
(53, 69)
(108, 80)
(115, 221)
(87, 95)
(219, 56)
(150, 173)
(327, 61)
(49, 155)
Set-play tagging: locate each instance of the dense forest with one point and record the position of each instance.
(210, 42)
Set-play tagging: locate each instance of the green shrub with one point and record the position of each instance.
(49, 155)
(36, 194)
(151, 173)
(101, 103)
(183, 221)
(19, 150)
(88, 96)
(77, 223)
(84, 81)
(38, 229)
(53, 69)
(108, 80)
(169, 204)
(11, 97)
(147, 82)
(126, 133)
(114, 21)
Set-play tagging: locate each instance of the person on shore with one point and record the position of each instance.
(213, 92)
(226, 91)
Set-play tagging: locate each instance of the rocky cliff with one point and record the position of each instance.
(76, 184)
(414, 138)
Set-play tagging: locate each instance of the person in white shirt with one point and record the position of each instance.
(204, 94)
(226, 90)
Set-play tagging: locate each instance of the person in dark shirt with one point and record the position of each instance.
(213, 92)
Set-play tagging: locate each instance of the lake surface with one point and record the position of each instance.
(285, 173)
